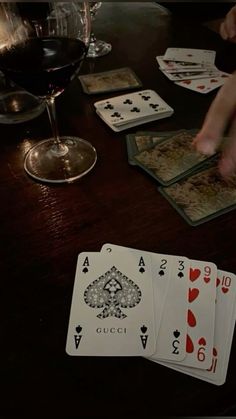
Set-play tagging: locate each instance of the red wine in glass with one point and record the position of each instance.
(44, 66)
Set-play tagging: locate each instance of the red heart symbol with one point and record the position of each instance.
(187, 82)
(207, 279)
(192, 294)
(202, 342)
(194, 274)
(189, 345)
(225, 290)
(201, 87)
(217, 282)
(214, 81)
(214, 352)
(191, 319)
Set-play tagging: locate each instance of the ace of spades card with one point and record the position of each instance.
(112, 311)
(170, 288)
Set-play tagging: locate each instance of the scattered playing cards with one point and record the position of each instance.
(110, 81)
(189, 180)
(127, 111)
(203, 195)
(171, 158)
(169, 309)
(193, 69)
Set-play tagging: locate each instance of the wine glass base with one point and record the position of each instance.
(45, 164)
(98, 49)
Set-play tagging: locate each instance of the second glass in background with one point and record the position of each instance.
(97, 48)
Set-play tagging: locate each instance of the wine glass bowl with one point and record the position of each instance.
(44, 58)
(97, 47)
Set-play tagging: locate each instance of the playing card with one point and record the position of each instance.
(191, 75)
(135, 142)
(225, 314)
(189, 55)
(110, 81)
(112, 311)
(224, 329)
(123, 127)
(133, 109)
(202, 196)
(144, 140)
(204, 85)
(171, 339)
(201, 314)
(162, 268)
(178, 66)
(172, 158)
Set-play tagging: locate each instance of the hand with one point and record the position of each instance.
(228, 27)
(221, 114)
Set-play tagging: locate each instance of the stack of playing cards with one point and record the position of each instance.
(189, 180)
(110, 81)
(170, 309)
(192, 68)
(127, 111)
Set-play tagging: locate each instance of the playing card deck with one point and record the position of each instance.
(110, 81)
(193, 69)
(169, 309)
(126, 111)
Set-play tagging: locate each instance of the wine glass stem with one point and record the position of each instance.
(58, 148)
(92, 38)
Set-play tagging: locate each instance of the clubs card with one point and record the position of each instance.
(110, 81)
(171, 339)
(178, 66)
(128, 110)
(225, 314)
(204, 85)
(189, 55)
(161, 273)
(202, 196)
(112, 310)
(171, 159)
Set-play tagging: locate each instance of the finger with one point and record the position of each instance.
(227, 163)
(230, 23)
(233, 39)
(217, 118)
(223, 31)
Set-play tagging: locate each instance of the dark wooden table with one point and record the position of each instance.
(43, 228)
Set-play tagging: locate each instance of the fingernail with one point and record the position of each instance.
(204, 147)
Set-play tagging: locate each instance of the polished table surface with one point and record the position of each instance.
(43, 228)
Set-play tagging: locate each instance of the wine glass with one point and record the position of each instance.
(42, 47)
(97, 48)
